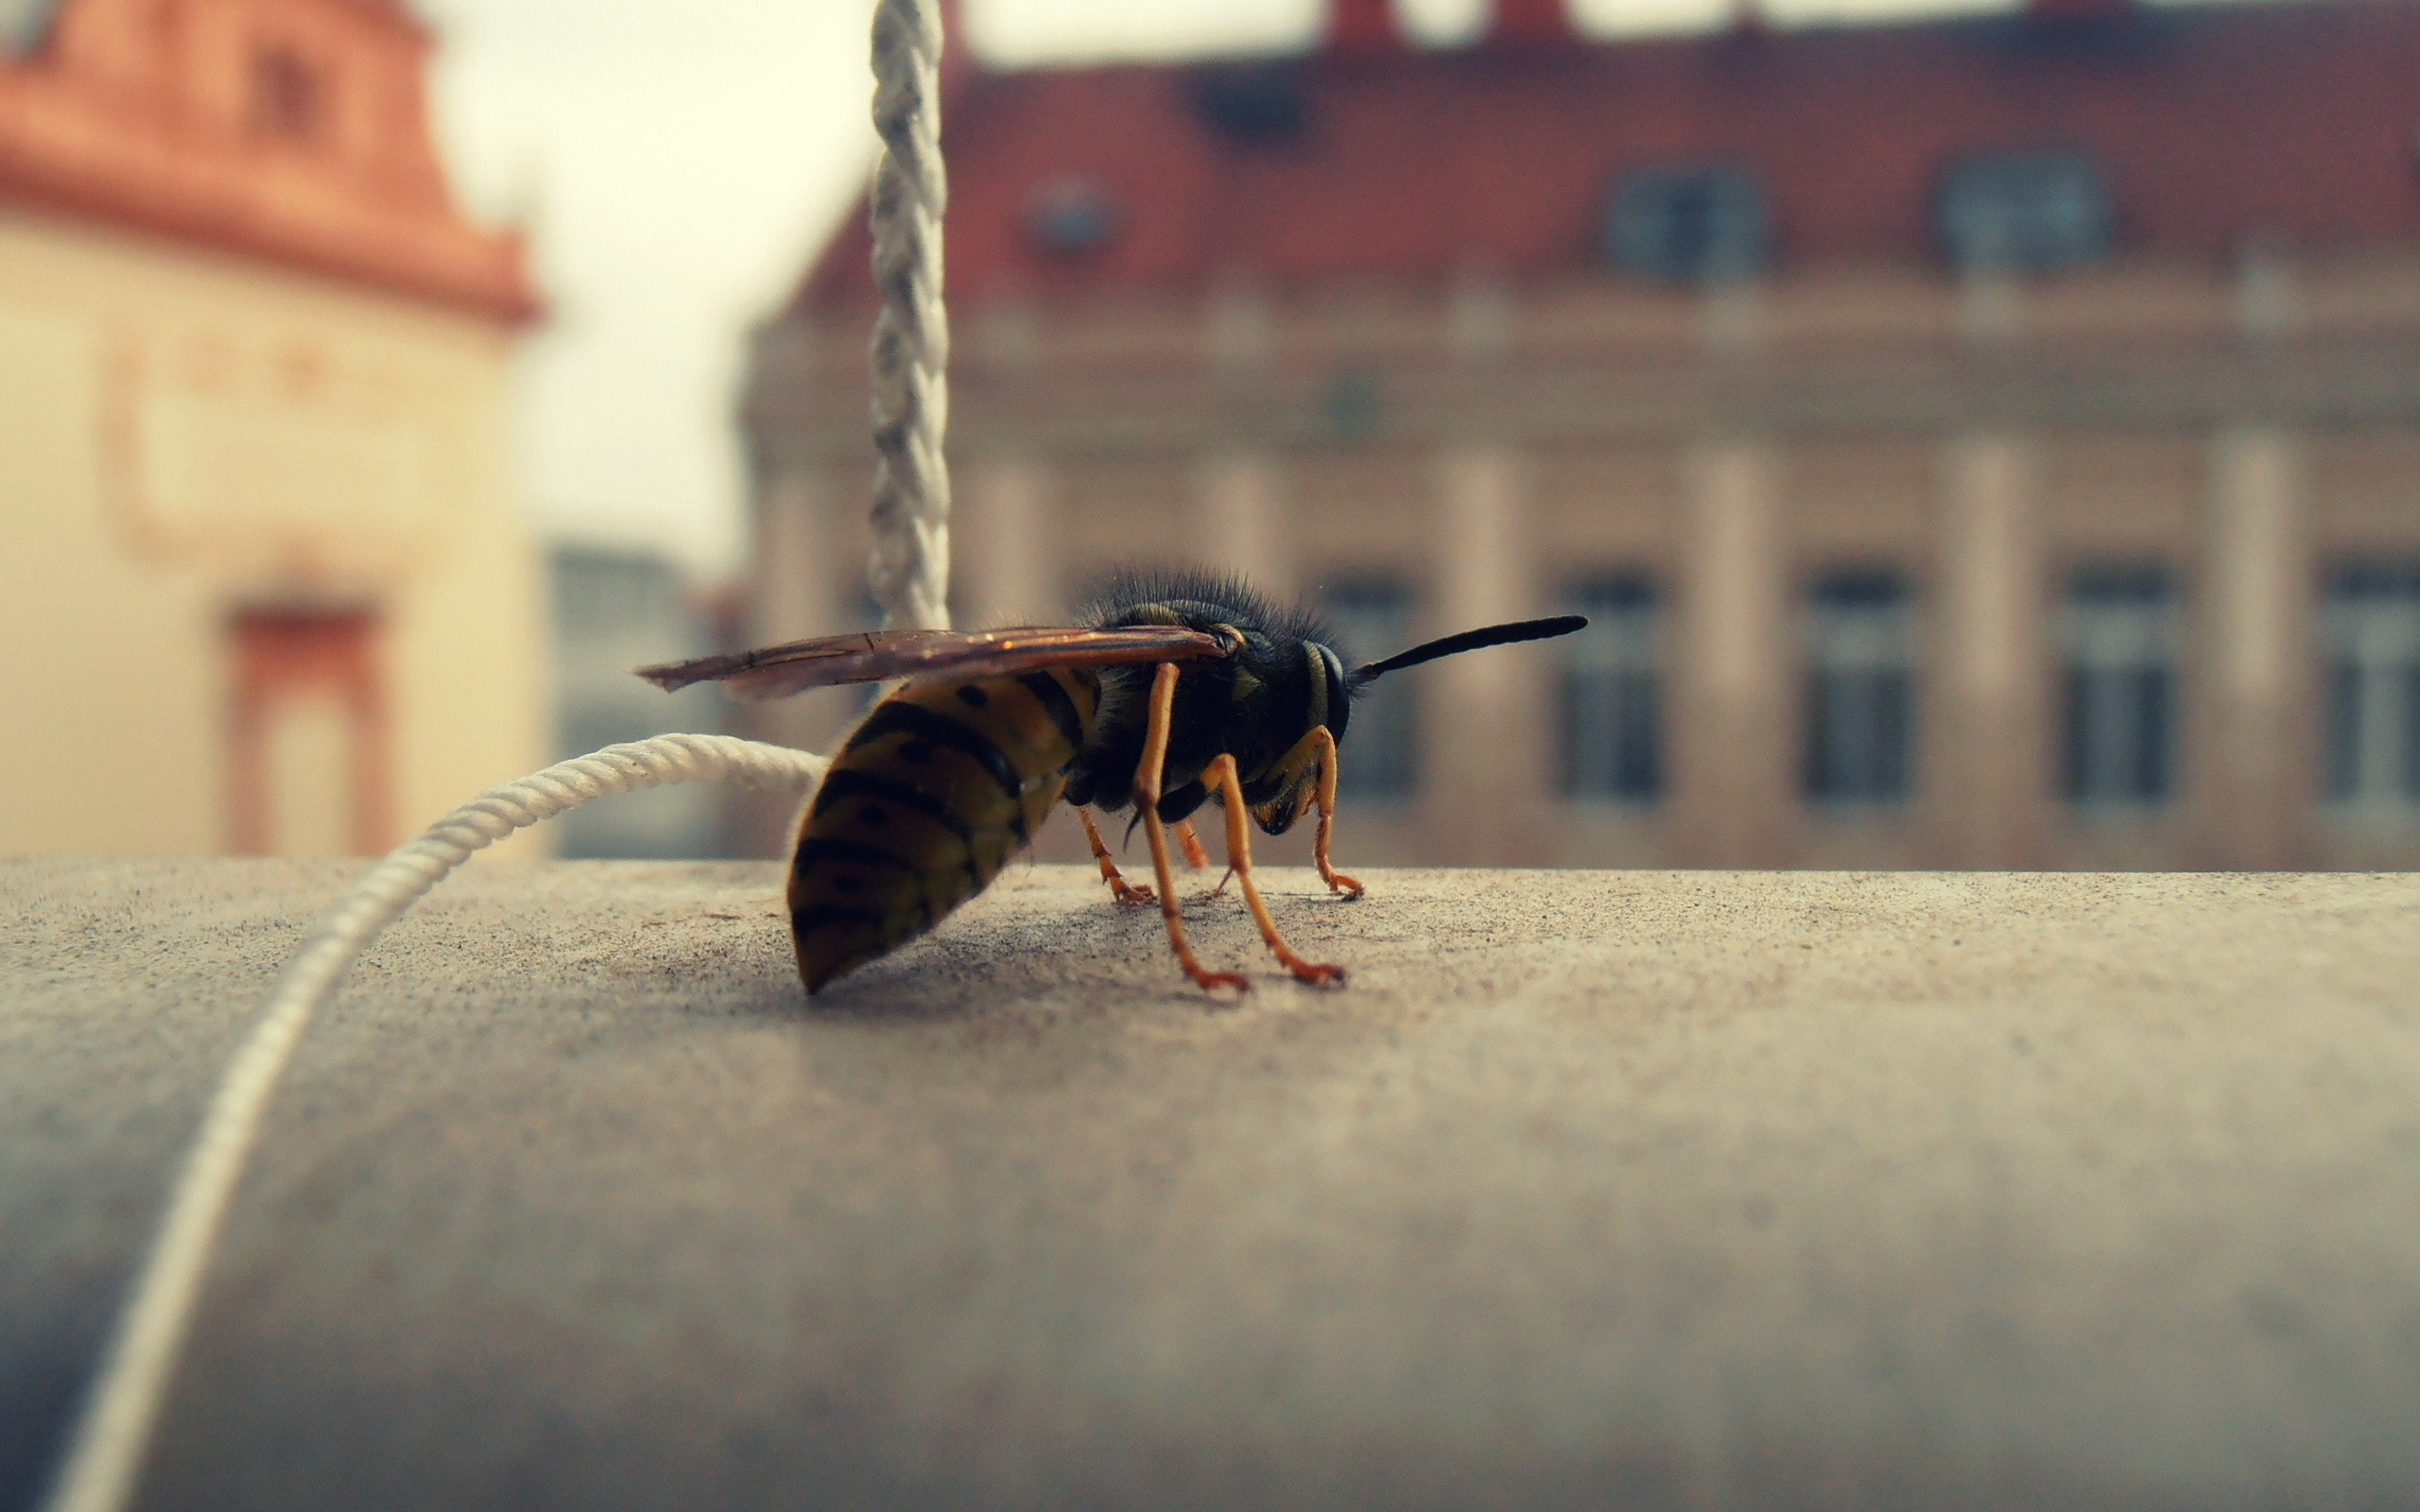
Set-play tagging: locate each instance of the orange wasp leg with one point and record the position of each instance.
(1119, 888)
(1147, 805)
(1222, 776)
(1191, 843)
(1324, 745)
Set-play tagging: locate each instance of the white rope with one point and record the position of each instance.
(115, 1431)
(910, 571)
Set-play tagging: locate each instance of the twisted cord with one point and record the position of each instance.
(113, 1432)
(910, 571)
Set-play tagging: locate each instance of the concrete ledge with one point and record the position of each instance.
(1659, 1190)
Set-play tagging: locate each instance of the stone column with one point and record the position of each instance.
(1481, 319)
(1004, 547)
(2268, 304)
(1484, 763)
(1734, 739)
(1991, 311)
(1983, 709)
(1005, 337)
(794, 588)
(1240, 328)
(2252, 784)
(1731, 318)
(1237, 521)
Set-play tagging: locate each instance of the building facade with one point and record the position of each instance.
(1989, 442)
(266, 589)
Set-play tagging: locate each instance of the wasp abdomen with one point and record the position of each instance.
(927, 800)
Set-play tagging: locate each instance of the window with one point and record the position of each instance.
(2024, 211)
(1353, 406)
(1373, 619)
(1613, 694)
(287, 95)
(2119, 626)
(1252, 104)
(1070, 216)
(1860, 677)
(1688, 225)
(2371, 628)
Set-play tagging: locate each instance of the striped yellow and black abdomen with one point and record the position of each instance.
(932, 793)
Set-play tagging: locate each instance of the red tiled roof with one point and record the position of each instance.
(2296, 122)
(149, 130)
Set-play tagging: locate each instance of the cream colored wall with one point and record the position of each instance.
(182, 435)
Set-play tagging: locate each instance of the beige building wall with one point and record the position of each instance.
(186, 438)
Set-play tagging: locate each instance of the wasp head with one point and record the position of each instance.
(1287, 790)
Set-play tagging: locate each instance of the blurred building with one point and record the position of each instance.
(616, 608)
(1990, 442)
(265, 589)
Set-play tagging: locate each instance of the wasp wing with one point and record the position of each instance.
(879, 656)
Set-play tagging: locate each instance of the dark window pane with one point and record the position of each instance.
(2371, 626)
(1859, 699)
(2029, 212)
(2149, 587)
(1353, 405)
(1858, 736)
(1589, 713)
(2119, 739)
(1894, 728)
(2155, 701)
(1377, 758)
(2073, 697)
(1815, 763)
(2343, 730)
(2409, 733)
(1687, 225)
(2386, 581)
(1613, 735)
(1070, 216)
(1252, 104)
(1638, 765)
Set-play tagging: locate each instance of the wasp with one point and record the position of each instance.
(1179, 689)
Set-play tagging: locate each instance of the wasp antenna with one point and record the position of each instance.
(1474, 641)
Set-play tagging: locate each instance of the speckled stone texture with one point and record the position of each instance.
(1675, 1190)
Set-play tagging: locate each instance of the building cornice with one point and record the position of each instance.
(1578, 402)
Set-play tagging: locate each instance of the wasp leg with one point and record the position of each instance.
(1193, 855)
(1324, 745)
(1119, 888)
(1198, 858)
(1222, 776)
(1147, 805)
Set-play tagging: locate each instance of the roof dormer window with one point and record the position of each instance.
(288, 96)
(2024, 213)
(1069, 217)
(1687, 225)
(1252, 105)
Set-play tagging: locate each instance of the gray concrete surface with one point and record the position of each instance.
(1647, 1190)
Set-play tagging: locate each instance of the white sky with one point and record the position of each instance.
(677, 162)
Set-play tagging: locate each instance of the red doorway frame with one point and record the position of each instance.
(281, 654)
